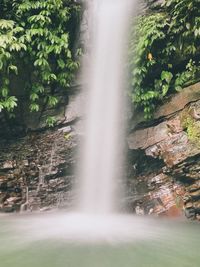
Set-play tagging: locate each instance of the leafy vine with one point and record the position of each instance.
(164, 53)
(37, 36)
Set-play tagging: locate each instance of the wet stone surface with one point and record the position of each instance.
(37, 171)
(168, 168)
(163, 168)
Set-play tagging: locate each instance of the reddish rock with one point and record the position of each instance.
(173, 212)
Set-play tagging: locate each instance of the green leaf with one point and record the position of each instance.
(4, 92)
(34, 107)
(15, 47)
(34, 96)
(10, 103)
(52, 101)
(166, 76)
(61, 63)
(13, 68)
(1, 106)
(1, 65)
(53, 77)
(165, 89)
(50, 121)
(6, 24)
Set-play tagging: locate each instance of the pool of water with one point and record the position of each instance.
(63, 240)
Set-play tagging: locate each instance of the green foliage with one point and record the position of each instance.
(190, 74)
(9, 46)
(36, 42)
(164, 52)
(50, 121)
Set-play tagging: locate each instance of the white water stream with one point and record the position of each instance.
(102, 155)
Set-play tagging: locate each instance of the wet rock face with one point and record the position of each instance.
(37, 166)
(173, 141)
(37, 171)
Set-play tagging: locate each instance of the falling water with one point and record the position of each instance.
(101, 158)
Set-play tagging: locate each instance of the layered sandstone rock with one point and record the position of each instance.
(173, 141)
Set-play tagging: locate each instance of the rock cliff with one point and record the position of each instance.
(37, 164)
(165, 170)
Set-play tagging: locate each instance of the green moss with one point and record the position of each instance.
(192, 128)
(67, 136)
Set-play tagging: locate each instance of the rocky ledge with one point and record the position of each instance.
(164, 174)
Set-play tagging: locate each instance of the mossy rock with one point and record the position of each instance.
(191, 123)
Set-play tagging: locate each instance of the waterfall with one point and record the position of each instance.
(102, 153)
(98, 191)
